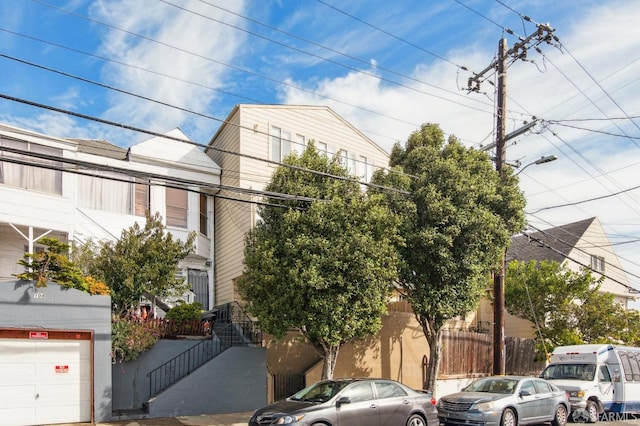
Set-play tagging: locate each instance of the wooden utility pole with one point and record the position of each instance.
(518, 51)
(501, 159)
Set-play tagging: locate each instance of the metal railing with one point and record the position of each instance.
(232, 327)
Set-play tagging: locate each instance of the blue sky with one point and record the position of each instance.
(386, 67)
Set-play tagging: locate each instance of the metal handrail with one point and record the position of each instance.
(232, 328)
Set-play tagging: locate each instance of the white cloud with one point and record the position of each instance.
(188, 47)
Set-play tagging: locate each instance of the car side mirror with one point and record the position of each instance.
(343, 400)
(525, 393)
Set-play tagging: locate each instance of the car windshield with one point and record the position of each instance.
(570, 371)
(493, 385)
(320, 392)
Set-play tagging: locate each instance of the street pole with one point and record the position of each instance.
(501, 158)
(543, 34)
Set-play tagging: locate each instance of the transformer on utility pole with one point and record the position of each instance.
(518, 51)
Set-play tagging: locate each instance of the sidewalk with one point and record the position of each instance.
(233, 419)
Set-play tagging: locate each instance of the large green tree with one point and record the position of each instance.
(456, 222)
(144, 261)
(322, 265)
(566, 307)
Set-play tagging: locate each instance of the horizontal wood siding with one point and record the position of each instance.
(247, 132)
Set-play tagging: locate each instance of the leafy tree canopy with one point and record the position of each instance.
(143, 261)
(53, 264)
(566, 306)
(322, 265)
(456, 223)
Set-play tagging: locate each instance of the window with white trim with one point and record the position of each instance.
(42, 179)
(280, 143)
(597, 263)
(177, 202)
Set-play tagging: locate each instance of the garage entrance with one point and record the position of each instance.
(46, 376)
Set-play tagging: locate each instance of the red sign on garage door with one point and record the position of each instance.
(62, 369)
(38, 335)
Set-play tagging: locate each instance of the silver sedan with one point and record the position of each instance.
(505, 401)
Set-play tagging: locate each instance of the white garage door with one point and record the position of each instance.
(44, 380)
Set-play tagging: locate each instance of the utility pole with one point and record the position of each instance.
(501, 158)
(518, 51)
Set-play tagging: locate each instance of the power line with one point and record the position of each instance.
(206, 147)
(359, 71)
(244, 70)
(442, 58)
(545, 244)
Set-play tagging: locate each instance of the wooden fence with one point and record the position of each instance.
(465, 353)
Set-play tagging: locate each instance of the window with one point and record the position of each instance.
(528, 387)
(366, 169)
(31, 177)
(389, 390)
(203, 214)
(280, 144)
(359, 391)
(142, 197)
(597, 263)
(603, 374)
(301, 143)
(176, 207)
(106, 192)
(322, 148)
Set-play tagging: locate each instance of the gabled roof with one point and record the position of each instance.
(536, 246)
(101, 148)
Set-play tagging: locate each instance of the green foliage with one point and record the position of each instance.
(185, 312)
(52, 264)
(323, 266)
(130, 338)
(567, 306)
(143, 261)
(456, 222)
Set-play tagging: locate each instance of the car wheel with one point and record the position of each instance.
(561, 416)
(592, 411)
(508, 418)
(416, 420)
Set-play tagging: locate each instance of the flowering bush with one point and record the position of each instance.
(129, 338)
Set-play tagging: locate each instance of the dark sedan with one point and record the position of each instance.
(505, 401)
(351, 402)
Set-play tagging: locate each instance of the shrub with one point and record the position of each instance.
(185, 312)
(130, 338)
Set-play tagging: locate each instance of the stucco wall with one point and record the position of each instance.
(59, 308)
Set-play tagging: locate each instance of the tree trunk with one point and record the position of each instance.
(433, 335)
(329, 363)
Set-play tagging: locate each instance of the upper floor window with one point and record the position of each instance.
(203, 214)
(108, 191)
(366, 169)
(142, 197)
(177, 202)
(597, 263)
(300, 143)
(280, 144)
(348, 161)
(34, 178)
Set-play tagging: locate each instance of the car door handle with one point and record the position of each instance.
(405, 402)
(373, 406)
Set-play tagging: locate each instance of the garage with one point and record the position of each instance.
(46, 377)
(55, 355)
